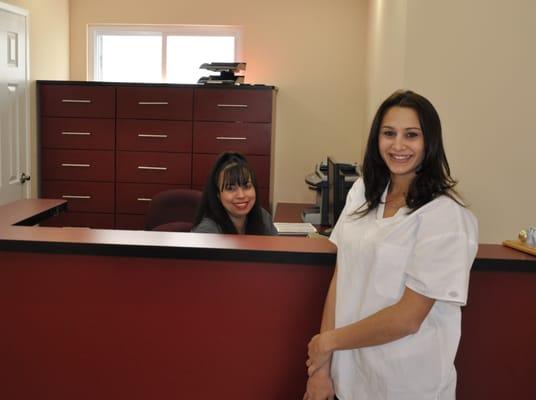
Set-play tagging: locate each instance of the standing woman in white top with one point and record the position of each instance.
(405, 245)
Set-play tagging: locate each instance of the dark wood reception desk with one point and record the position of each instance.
(102, 314)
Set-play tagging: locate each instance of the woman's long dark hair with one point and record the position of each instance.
(236, 171)
(432, 176)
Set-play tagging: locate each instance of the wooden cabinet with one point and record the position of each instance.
(108, 148)
(154, 147)
(77, 155)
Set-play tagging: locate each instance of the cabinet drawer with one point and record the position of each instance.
(78, 133)
(82, 220)
(233, 105)
(82, 196)
(85, 165)
(154, 135)
(130, 221)
(202, 164)
(134, 198)
(155, 103)
(246, 138)
(77, 101)
(148, 167)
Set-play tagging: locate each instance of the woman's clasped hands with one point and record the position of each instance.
(319, 384)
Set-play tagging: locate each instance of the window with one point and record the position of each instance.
(139, 53)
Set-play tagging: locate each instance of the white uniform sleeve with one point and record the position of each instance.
(446, 246)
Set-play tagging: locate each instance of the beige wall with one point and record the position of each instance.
(475, 61)
(386, 47)
(312, 50)
(49, 53)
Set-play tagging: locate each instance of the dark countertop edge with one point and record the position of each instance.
(504, 265)
(99, 249)
(268, 256)
(256, 86)
(35, 219)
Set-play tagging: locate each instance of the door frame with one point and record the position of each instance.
(24, 13)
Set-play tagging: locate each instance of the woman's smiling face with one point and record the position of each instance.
(401, 141)
(238, 200)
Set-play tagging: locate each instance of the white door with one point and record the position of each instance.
(14, 143)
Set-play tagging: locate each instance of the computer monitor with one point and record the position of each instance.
(341, 176)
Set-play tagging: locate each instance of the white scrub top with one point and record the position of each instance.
(429, 251)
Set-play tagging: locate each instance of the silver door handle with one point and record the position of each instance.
(151, 135)
(75, 101)
(152, 168)
(75, 165)
(231, 138)
(74, 196)
(77, 133)
(153, 103)
(233, 105)
(144, 199)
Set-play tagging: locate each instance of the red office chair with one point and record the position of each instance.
(173, 210)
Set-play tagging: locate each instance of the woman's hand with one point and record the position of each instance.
(319, 352)
(319, 386)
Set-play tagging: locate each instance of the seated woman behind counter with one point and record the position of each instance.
(229, 201)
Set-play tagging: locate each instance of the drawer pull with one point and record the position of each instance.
(75, 101)
(153, 103)
(77, 133)
(144, 199)
(152, 135)
(233, 105)
(74, 196)
(152, 168)
(75, 165)
(231, 138)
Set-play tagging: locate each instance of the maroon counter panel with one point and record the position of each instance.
(497, 354)
(104, 327)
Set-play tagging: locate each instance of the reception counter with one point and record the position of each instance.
(102, 314)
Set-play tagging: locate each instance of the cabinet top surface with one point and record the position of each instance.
(242, 86)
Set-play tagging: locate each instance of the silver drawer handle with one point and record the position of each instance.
(74, 196)
(152, 168)
(75, 165)
(233, 105)
(231, 138)
(150, 135)
(144, 199)
(77, 133)
(152, 103)
(75, 101)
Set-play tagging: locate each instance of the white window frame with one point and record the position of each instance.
(95, 33)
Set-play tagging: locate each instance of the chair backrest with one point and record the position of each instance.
(173, 210)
